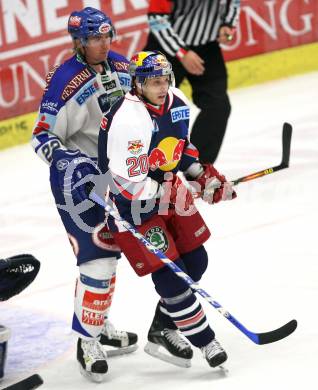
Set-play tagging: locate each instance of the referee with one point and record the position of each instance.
(189, 33)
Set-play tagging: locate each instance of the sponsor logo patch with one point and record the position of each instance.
(200, 231)
(41, 125)
(135, 147)
(180, 113)
(49, 106)
(89, 91)
(45, 122)
(104, 28)
(125, 80)
(75, 83)
(75, 21)
(120, 65)
(157, 237)
(49, 77)
(161, 62)
(110, 85)
(62, 164)
(103, 238)
(92, 318)
(95, 301)
(103, 102)
(104, 123)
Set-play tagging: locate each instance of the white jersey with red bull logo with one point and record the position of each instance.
(139, 143)
(73, 104)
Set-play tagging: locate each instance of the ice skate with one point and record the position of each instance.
(168, 345)
(121, 342)
(214, 353)
(92, 360)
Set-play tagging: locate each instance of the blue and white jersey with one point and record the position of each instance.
(73, 104)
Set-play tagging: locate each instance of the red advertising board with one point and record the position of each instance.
(269, 25)
(33, 38)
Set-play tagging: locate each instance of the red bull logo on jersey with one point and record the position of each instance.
(180, 113)
(167, 155)
(135, 147)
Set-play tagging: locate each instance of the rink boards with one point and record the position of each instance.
(242, 73)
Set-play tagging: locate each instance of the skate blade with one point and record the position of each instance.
(120, 351)
(154, 350)
(223, 369)
(92, 376)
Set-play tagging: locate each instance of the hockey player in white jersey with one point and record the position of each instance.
(143, 144)
(66, 132)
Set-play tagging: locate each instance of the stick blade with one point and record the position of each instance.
(287, 134)
(32, 382)
(277, 334)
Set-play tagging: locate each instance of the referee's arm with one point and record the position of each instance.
(159, 14)
(229, 16)
(230, 13)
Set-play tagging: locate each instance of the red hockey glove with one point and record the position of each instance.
(214, 186)
(176, 193)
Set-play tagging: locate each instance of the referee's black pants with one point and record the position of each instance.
(209, 93)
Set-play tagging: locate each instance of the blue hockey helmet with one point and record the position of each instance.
(89, 22)
(149, 64)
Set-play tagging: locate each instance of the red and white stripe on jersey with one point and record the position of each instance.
(141, 190)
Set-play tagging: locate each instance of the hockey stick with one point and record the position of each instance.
(257, 338)
(30, 383)
(287, 134)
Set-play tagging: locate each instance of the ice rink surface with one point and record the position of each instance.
(263, 262)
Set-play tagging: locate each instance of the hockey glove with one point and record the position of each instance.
(214, 186)
(176, 193)
(70, 167)
(16, 273)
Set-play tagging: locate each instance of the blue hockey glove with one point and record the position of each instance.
(70, 167)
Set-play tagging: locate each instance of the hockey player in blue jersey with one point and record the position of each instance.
(143, 144)
(66, 132)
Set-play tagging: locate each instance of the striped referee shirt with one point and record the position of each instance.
(177, 24)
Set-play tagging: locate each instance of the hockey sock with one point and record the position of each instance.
(92, 296)
(110, 295)
(188, 315)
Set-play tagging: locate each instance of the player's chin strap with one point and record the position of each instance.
(258, 338)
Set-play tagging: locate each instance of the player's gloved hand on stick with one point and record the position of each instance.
(71, 166)
(176, 193)
(214, 186)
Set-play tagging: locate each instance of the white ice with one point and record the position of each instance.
(263, 261)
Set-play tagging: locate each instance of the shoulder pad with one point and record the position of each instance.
(66, 80)
(118, 62)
